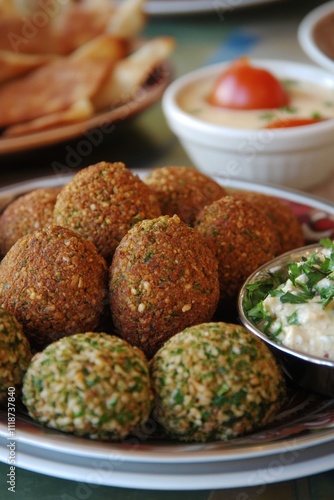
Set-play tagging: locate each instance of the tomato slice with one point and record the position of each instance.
(293, 122)
(243, 86)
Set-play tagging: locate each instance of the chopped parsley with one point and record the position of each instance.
(289, 109)
(312, 276)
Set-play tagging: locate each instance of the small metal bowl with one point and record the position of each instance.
(309, 372)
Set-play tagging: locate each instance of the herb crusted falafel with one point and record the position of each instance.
(15, 354)
(92, 384)
(215, 381)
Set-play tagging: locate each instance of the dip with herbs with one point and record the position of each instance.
(248, 97)
(299, 312)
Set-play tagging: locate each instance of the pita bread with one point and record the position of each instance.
(106, 46)
(56, 28)
(80, 23)
(128, 19)
(76, 64)
(21, 36)
(52, 88)
(8, 8)
(107, 49)
(79, 111)
(13, 65)
(132, 72)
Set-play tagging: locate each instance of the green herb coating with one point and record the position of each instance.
(15, 354)
(89, 384)
(215, 381)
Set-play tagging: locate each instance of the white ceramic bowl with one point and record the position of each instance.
(307, 39)
(297, 157)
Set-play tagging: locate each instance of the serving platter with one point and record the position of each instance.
(297, 443)
(104, 121)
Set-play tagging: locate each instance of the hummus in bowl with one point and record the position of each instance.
(289, 303)
(244, 143)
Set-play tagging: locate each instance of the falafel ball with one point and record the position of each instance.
(101, 203)
(55, 283)
(289, 230)
(183, 191)
(89, 384)
(25, 214)
(15, 354)
(242, 237)
(163, 278)
(215, 381)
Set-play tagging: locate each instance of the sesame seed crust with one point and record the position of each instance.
(90, 384)
(215, 381)
(162, 279)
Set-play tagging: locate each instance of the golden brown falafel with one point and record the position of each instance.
(289, 230)
(163, 277)
(183, 191)
(54, 282)
(101, 203)
(27, 213)
(242, 238)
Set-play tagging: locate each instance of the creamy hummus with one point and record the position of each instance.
(308, 100)
(306, 326)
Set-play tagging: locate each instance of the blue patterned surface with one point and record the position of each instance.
(237, 44)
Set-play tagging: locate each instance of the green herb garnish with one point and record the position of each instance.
(289, 83)
(312, 276)
(289, 109)
(316, 115)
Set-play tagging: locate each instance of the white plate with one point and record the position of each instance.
(306, 38)
(195, 6)
(299, 442)
(284, 466)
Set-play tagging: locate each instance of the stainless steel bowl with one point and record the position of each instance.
(309, 372)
